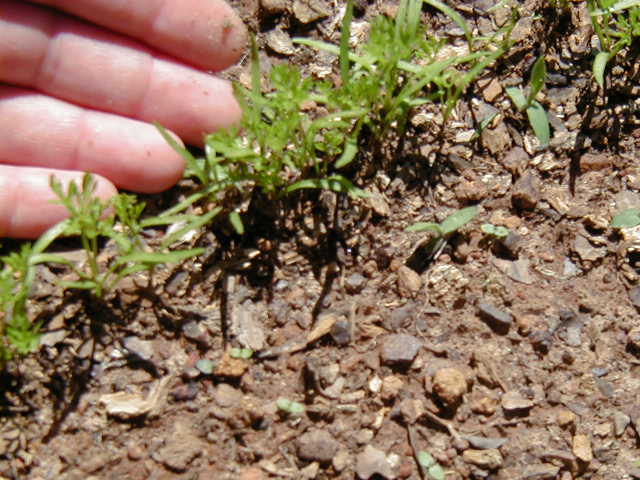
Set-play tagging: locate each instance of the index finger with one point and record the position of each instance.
(204, 33)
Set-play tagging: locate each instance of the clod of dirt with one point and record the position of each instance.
(483, 404)
(227, 396)
(489, 459)
(399, 349)
(582, 448)
(449, 384)
(317, 445)
(371, 462)
(514, 402)
(566, 418)
(179, 450)
(498, 318)
(409, 282)
(526, 192)
(231, 367)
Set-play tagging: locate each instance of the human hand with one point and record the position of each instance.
(79, 95)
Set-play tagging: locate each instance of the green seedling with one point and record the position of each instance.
(205, 366)
(443, 231)
(495, 231)
(429, 466)
(617, 24)
(90, 221)
(626, 219)
(449, 225)
(285, 144)
(535, 111)
(295, 409)
(244, 353)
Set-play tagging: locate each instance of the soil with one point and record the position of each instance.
(512, 358)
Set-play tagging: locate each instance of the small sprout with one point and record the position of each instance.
(205, 366)
(428, 463)
(497, 231)
(626, 219)
(449, 225)
(244, 353)
(295, 409)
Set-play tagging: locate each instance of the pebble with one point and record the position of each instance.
(620, 422)
(525, 194)
(634, 296)
(494, 315)
(178, 452)
(540, 472)
(513, 402)
(490, 459)
(411, 410)
(516, 160)
(391, 387)
(317, 445)
(409, 282)
(341, 332)
(512, 244)
(194, 332)
(449, 384)
(141, 348)
(372, 461)
(633, 339)
(280, 42)
(484, 405)
(582, 448)
(340, 460)
(308, 11)
(399, 349)
(274, 6)
(354, 283)
(227, 396)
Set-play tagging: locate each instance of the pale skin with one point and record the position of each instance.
(81, 82)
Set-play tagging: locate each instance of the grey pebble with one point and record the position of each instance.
(399, 349)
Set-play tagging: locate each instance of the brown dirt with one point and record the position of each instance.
(517, 359)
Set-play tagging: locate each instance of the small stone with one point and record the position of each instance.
(484, 405)
(391, 386)
(634, 296)
(513, 402)
(354, 283)
(633, 339)
(134, 451)
(310, 471)
(582, 448)
(308, 11)
(274, 6)
(141, 348)
(526, 323)
(511, 245)
(497, 317)
(280, 42)
(449, 384)
(227, 396)
(194, 332)
(594, 161)
(340, 460)
(363, 436)
(620, 422)
(526, 192)
(317, 445)
(516, 160)
(411, 410)
(540, 472)
(409, 282)
(341, 332)
(491, 89)
(490, 459)
(496, 139)
(178, 452)
(399, 349)
(371, 462)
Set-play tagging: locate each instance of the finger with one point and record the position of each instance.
(86, 65)
(205, 33)
(36, 130)
(26, 208)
